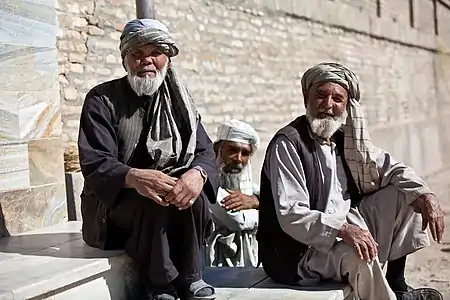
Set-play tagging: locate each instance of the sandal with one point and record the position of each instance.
(166, 292)
(200, 290)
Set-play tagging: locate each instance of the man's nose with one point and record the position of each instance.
(147, 60)
(238, 158)
(328, 102)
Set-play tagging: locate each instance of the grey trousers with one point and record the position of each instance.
(395, 227)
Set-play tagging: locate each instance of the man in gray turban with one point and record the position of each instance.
(149, 166)
(335, 207)
(235, 214)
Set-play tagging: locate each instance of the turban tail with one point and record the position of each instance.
(140, 32)
(359, 152)
(237, 131)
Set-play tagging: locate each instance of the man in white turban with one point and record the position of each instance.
(235, 214)
(335, 207)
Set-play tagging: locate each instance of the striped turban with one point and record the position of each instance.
(359, 152)
(140, 32)
(238, 131)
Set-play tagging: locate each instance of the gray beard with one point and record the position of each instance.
(146, 85)
(240, 181)
(325, 128)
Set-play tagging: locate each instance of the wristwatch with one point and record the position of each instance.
(202, 173)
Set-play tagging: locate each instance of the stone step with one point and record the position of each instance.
(55, 263)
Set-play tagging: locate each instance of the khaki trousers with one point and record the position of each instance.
(395, 227)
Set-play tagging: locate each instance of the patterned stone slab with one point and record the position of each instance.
(31, 208)
(28, 22)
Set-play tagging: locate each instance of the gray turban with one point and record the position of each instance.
(331, 72)
(359, 152)
(140, 32)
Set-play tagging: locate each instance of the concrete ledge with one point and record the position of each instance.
(55, 263)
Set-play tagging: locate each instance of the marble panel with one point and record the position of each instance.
(28, 68)
(9, 116)
(32, 208)
(39, 114)
(46, 161)
(28, 22)
(14, 172)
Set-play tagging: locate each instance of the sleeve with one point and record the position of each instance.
(206, 159)
(234, 221)
(98, 151)
(401, 176)
(292, 203)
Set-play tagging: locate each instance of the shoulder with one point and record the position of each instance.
(105, 95)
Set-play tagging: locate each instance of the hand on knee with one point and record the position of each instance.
(360, 240)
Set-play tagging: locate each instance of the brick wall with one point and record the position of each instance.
(244, 59)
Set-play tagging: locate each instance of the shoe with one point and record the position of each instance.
(419, 294)
(163, 292)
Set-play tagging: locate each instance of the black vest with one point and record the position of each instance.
(279, 253)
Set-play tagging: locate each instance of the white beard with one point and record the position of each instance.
(326, 127)
(146, 85)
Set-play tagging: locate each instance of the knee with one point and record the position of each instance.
(353, 264)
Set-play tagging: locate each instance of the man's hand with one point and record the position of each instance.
(186, 190)
(152, 184)
(361, 240)
(237, 201)
(428, 206)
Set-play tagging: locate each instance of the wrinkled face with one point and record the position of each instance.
(146, 67)
(326, 108)
(235, 156)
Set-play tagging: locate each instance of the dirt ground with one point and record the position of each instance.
(431, 266)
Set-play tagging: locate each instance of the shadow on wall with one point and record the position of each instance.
(3, 231)
(74, 187)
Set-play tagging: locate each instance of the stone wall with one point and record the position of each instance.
(32, 191)
(244, 59)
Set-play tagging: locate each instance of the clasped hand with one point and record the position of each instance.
(165, 189)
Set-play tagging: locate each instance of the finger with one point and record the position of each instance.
(180, 197)
(424, 221)
(165, 188)
(373, 247)
(440, 229)
(173, 192)
(169, 180)
(230, 191)
(233, 205)
(358, 251)
(433, 230)
(158, 199)
(230, 201)
(365, 251)
(239, 208)
(186, 200)
(232, 196)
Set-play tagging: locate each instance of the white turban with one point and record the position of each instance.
(238, 131)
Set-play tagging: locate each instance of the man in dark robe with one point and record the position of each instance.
(149, 166)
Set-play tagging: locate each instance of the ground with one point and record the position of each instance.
(431, 266)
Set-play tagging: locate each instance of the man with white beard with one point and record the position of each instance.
(235, 214)
(335, 207)
(149, 167)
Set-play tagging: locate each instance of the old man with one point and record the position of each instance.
(335, 207)
(235, 214)
(149, 166)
